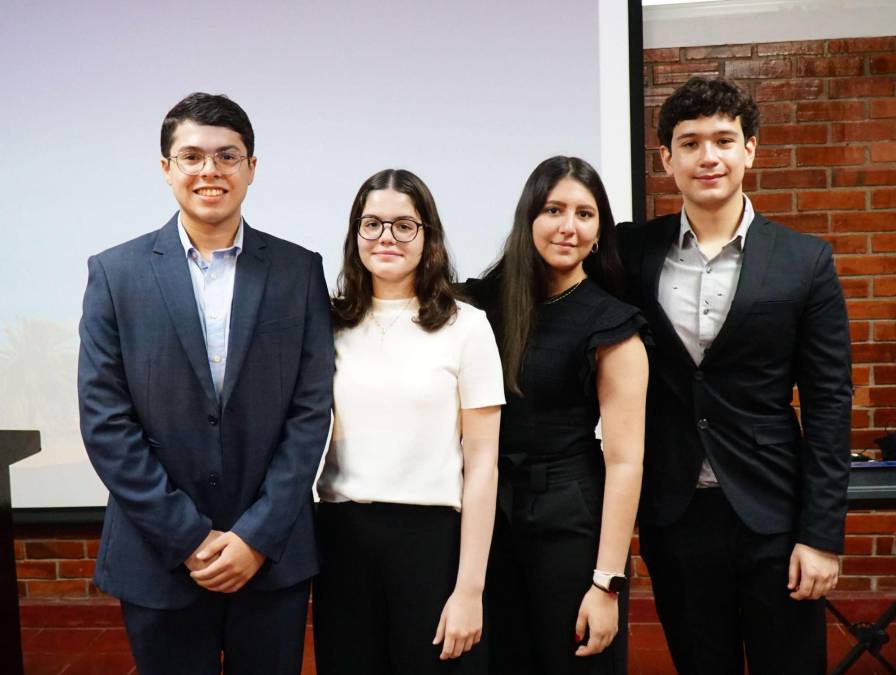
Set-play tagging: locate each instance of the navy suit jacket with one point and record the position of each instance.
(787, 325)
(178, 461)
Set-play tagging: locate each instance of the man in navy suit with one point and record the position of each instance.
(743, 505)
(204, 380)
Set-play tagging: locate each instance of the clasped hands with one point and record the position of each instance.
(223, 562)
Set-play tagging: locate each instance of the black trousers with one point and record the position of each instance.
(541, 563)
(257, 633)
(721, 592)
(387, 571)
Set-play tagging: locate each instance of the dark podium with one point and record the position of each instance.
(14, 446)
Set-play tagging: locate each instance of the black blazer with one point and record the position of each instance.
(787, 325)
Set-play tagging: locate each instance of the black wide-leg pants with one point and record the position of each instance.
(721, 593)
(386, 573)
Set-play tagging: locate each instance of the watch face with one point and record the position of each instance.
(617, 584)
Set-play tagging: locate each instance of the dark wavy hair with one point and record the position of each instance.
(521, 273)
(214, 110)
(701, 97)
(434, 275)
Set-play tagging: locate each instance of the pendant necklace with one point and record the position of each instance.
(384, 330)
(568, 291)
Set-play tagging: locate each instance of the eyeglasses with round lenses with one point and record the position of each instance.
(403, 230)
(192, 162)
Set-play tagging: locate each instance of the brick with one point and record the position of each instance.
(884, 199)
(674, 73)
(886, 583)
(860, 420)
(853, 287)
(870, 523)
(861, 375)
(874, 352)
(840, 155)
(885, 287)
(794, 178)
(758, 68)
(655, 161)
(883, 152)
(850, 177)
(883, 243)
(881, 107)
(868, 565)
(771, 113)
(793, 134)
(855, 45)
(885, 63)
(36, 569)
(832, 200)
(664, 204)
(805, 222)
(821, 111)
(848, 243)
(19, 550)
(862, 86)
(860, 265)
(37, 550)
(656, 95)
(65, 640)
(884, 331)
(790, 90)
(718, 52)
(661, 185)
(885, 374)
(832, 66)
(751, 181)
(93, 547)
(70, 588)
(772, 202)
(772, 158)
(663, 54)
(864, 222)
(801, 47)
(76, 569)
(869, 130)
(885, 417)
(853, 583)
(872, 309)
(858, 545)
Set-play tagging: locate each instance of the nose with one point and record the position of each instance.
(567, 225)
(708, 153)
(386, 236)
(209, 166)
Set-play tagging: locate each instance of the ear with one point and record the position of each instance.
(166, 169)
(252, 161)
(750, 145)
(666, 157)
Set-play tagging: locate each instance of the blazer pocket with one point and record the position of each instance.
(774, 433)
(275, 325)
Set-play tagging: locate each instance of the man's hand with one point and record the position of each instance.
(460, 626)
(812, 573)
(193, 563)
(599, 612)
(230, 561)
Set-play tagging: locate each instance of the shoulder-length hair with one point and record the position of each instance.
(521, 273)
(433, 276)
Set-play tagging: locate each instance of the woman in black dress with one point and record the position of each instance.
(572, 355)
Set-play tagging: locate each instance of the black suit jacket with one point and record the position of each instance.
(787, 325)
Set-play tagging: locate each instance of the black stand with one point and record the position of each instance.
(14, 446)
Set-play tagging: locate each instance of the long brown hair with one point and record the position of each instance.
(433, 276)
(521, 273)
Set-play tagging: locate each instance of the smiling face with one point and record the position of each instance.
(392, 264)
(708, 157)
(209, 199)
(567, 228)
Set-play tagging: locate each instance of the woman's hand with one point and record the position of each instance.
(599, 612)
(460, 625)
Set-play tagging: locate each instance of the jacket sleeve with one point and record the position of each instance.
(114, 438)
(285, 491)
(824, 379)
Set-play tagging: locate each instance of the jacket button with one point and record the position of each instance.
(703, 424)
(698, 376)
(213, 479)
(213, 420)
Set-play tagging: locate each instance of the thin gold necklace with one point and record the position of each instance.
(383, 330)
(558, 298)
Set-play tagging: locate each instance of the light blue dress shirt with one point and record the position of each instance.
(213, 287)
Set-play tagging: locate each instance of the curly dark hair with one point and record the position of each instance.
(434, 275)
(521, 273)
(214, 110)
(701, 97)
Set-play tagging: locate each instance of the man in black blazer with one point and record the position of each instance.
(743, 504)
(205, 386)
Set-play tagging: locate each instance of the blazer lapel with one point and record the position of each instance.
(170, 266)
(756, 255)
(248, 290)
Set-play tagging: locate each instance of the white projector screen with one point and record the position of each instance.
(468, 95)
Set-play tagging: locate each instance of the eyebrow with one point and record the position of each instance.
(196, 147)
(717, 132)
(557, 202)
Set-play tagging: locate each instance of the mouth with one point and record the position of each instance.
(387, 254)
(210, 191)
(710, 177)
(564, 244)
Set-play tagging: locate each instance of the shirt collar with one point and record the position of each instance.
(188, 245)
(740, 234)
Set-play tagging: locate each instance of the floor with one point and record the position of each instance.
(66, 642)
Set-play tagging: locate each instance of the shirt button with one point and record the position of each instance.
(706, 311)
(216, 359)
(698, 376)
(213, 420)
(214, 276)
(213, 479)
(708, 269)
(212, 316)
(703, 424)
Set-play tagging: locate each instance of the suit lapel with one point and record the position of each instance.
(248, 290)
(170, 266)
(756, 255)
